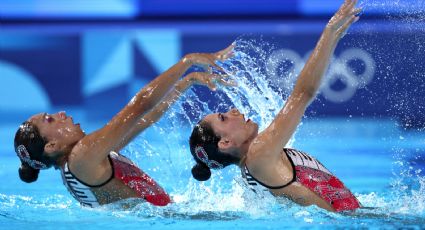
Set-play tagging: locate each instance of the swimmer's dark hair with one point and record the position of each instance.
(203, 135)
(29, 136)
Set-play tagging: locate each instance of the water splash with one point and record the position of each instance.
(399, 65)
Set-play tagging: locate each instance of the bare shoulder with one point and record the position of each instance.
(264, 148)
(87, 170)
(81, 151)
(272, 171)
(83, 160)
(261, 155)
(89, 148)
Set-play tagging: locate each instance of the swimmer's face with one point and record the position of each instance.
(58, 127)
(233, 126)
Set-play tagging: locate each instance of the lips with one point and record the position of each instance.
(62, 115)
(246, 121)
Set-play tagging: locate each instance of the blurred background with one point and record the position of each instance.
(92, 56)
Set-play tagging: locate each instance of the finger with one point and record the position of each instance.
(229, 49)
(356, 11)
(209, 69)
(211, 85)
(202, 77)
(348, 15)
(229, 55)
(350, 6)
(224, 80)
(344, 6)
(222, 53)
(353, 3)
(346, 25)
(217, 67)
(229, 83)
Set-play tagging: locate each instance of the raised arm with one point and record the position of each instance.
(199, 78)
(96, 146)
(276, 136)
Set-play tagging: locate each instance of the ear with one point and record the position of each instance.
(51, 147)
(225, 145)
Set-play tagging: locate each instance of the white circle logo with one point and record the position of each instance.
(343, 69)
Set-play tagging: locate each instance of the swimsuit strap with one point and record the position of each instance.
(251, 179)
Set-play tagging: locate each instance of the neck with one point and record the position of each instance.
(244, 149)
(62, 158)
(60, 161)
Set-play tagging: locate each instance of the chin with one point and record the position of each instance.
(254, 132)
(256, 128)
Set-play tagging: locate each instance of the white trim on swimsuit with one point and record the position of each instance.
(78, 190)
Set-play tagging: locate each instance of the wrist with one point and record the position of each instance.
(186, 82)
(187, 60)
(330, 35)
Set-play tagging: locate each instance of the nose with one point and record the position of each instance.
(234, 111)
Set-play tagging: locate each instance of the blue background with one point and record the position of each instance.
(57, 54)
(131, 9)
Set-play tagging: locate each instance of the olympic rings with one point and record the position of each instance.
(340, 69)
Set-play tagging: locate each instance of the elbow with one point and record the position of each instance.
(140, 109)
(138, 106)
(147, 103)
(147, 106)
(147, 99)
(310, 93)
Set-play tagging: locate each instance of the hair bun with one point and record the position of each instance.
(201, 172)
(28, 174)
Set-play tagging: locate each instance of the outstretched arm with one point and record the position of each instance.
(98, 144)
(284, 125)
(200, 78)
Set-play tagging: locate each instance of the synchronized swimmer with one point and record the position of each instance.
(92, 168)
(223, 139)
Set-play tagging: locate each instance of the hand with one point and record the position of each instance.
(343, 18)
(209, 80)
(207, 60)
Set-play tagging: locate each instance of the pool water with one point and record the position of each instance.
(376, 159)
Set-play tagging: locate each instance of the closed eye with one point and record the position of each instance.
(48, 118)
(221, 117)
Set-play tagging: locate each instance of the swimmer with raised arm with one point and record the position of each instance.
(92, 168)
(223, 139)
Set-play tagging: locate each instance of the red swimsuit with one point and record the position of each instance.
(123, 170)
(139, 181)
(312, 174)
